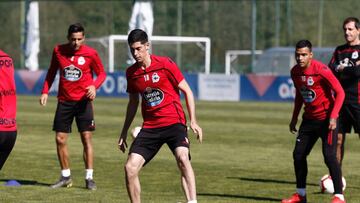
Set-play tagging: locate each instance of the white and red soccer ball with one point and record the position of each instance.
(135, 131)
(326, 184)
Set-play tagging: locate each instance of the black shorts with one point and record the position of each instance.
(7, 142)
(67, 110)
(349, 117)
(149, 140)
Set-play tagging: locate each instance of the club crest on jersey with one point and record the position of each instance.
(72, 73)
(81, 60)
(153, 96)
(355, 55)
(155, 77)
(310, 81)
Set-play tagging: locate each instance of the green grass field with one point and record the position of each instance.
(246, 157)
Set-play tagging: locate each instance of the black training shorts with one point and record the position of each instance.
(149, 140)
(7, 142)
(349, 117)
(66, 111)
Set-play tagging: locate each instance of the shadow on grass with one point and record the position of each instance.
(262, 180)
(28, 182)
(240, 197)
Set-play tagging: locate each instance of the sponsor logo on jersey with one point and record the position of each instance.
(347, 62)
(153, 97)
(310, 81)
(7, 92)
(72, 73)
(7, 121)
(6, 63)
(355, 55)
(155, 77)
(81, 60)
(308, 95)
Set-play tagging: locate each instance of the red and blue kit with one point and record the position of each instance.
(158, 86)
(76, 71)
(314, 88)
(349, 78)
(7, 94)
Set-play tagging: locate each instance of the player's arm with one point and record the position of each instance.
(339, 96)
(50, 76)
(298, 102)
(130, 115)
(190, 104)
(98, 68)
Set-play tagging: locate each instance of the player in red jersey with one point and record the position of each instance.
(315, 84)
(345, 64)
(8, 128)
(159, 81)
(76, 63)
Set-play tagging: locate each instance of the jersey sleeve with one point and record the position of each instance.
(174, 72)
(335, 85)
(50, 76)
(98, 68)
(298, 102)
(130, 86)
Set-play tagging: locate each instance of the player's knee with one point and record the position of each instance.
(60, 140)
(131, 169)
(183, 160)
(299, 157)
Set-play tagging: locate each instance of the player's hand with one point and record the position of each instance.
(122, 143)
(43, 99)
(197, 130)
(292, 126)
(332, 124)
(339, 68)
(91, 92)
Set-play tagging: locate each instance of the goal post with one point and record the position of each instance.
(109, 43)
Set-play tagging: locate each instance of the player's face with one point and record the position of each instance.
(303, 57)
(139, 51)
(76, 39)
(351, 34)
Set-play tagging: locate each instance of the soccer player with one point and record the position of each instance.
(8, 128)
(315, 83)
(345, 64)
(159, 81)
(76, 63)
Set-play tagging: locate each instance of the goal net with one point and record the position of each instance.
(192, 54)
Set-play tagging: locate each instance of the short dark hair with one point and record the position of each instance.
(137, 35)
(352, 19)
(77, 27)
(303, 43)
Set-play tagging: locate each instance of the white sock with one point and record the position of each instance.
(89, 173)
(340, 196)
(301, 191)
(192, 201)
(65, 172)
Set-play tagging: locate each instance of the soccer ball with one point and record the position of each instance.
(135, 131)
(326, 184)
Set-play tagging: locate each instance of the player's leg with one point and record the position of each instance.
(144, 147)
(62, 126)
(7, 142)
(329, 140)
(177, 140)
(85, 123)
(344, 126)
(133, 166)
(304, 142)
(187, 172)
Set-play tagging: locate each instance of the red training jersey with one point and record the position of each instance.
(158, 86)
(7, 94)
(76, 69)
(315, 86)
